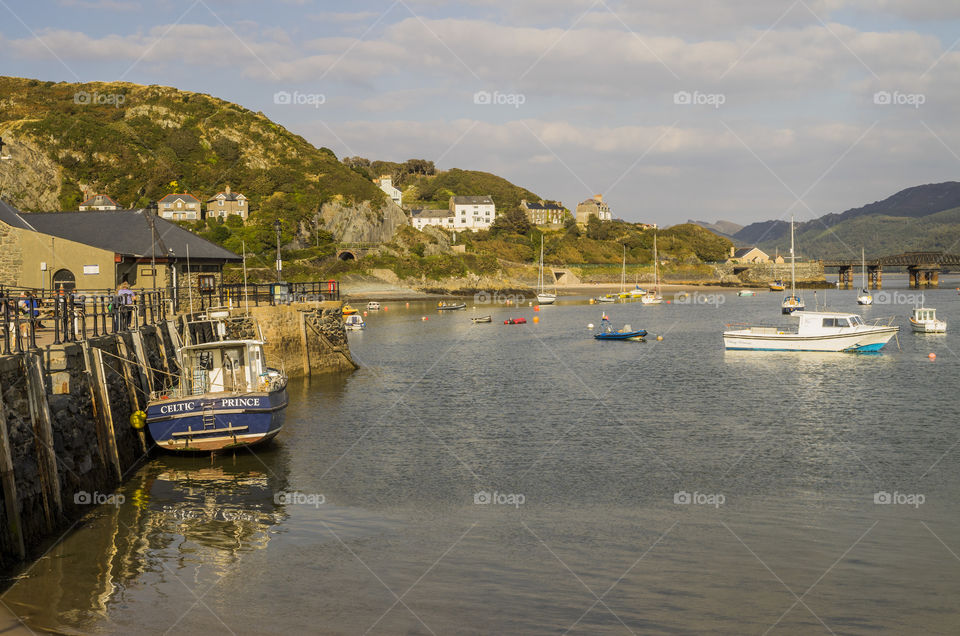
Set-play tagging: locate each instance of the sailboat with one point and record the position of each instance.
(864, 297)
(543, 297)
(654, 297)
(792, 302)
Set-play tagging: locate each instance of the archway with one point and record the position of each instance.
(65, 280)
(347, 256)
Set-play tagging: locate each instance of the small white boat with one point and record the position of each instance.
(654, 297)
(864, 297)
(746, 292)
(543, 296)
(816, 331)
(354, 322)
(924, 320)
(373, 306)
(792, 302)
(606, 299)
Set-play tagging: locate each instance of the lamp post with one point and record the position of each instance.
(277, 226)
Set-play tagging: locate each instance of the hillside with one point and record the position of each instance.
(723, 228)
(919, 218)
(139, 143)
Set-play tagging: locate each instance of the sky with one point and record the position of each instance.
(742, 110)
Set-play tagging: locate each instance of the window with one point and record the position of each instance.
(239, 204)
(830, 322)
(220, 203)
(206, 283)
(179, 204)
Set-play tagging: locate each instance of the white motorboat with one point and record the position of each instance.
(924, 320)
(353, 322)
(373, 306)
(816, 331)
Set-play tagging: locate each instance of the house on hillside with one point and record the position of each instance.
(180, 207)
(540, 213)
(473, 213)
(386, 184)
(99, 202)
(593, 207)
(227, 203)
(100, 250)
(421, 218)
(748, 255)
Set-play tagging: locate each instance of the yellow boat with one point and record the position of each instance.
(777, 285)
(348, 310)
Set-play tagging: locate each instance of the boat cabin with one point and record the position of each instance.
(823, 322)
(223, 367)
(923, 314)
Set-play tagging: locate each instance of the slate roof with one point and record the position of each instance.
(170, 198)
(743, 251)
(126, 232)
(431, 214)
(227, 196)
(484, 200)
(11, 216)
(542, 206)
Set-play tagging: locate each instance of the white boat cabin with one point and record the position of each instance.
(813, 322)
(924, 314)
(224, 367)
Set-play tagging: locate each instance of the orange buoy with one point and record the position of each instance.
(424, 319)
(537, 308)
(385, 308)
(932, 356)
(536, 319)
(668, 302)
(408, 304)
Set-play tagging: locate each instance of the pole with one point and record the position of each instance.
(793, 263)
(277, 227)
(189, 281)
(246, 296)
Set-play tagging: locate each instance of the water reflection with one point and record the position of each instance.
(176, 513)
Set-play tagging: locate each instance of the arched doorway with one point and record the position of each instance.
(65, 280)
(346, 255)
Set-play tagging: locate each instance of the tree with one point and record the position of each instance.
(511, 222)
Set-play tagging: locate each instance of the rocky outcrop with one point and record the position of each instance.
(360, 223)
(30, 177)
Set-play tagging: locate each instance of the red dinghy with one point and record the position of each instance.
(515, 321)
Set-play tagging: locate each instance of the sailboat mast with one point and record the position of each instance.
(540, 279)
(793, 263)
(623, 272)
(656, 263)
(863, 267)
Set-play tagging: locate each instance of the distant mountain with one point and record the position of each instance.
(925, 217)
(724, 228)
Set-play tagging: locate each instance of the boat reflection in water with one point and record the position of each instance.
(208, 514)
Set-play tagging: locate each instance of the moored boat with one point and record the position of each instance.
(543, 296)
(227, 396)
(816, 331)
(864, 297)
(924, 320)
(625, 333)
(515, 321)
(792, 302)
(348, 310)
(654, 297)
(746, 292)
(451, 306)
(373, 306)
(354, 322)
(777, 285)
(476, 319)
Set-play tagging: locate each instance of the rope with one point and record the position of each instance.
(144, 365)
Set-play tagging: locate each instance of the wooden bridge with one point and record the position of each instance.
(923, 267)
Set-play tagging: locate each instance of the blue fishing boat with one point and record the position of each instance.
(607, 333)
(227, 397)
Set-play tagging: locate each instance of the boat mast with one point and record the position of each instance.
(793, 264)
(863, 268)
(656, 265)
(540, 279)
(623, 272)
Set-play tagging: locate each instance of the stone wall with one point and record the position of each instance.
(763, 273)
(305, 338)
(11, 256)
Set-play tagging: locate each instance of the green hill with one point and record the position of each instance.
(139, 143)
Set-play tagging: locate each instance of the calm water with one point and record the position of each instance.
(587, 445)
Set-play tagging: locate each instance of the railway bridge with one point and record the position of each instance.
(924, 268)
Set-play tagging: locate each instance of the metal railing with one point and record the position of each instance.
(74, 316)
(278, 293)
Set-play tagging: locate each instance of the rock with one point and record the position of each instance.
(360, 223)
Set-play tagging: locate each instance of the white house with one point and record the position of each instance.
(472, 213)
(441, 218)
(99, 202)
(386, 184)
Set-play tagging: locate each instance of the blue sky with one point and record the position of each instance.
(742, 110)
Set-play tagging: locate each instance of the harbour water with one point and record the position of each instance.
(530, 480)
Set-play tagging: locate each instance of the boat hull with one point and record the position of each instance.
(232, 420)
(866, 340)
(621, 335)
(934, 326)
(546, 299)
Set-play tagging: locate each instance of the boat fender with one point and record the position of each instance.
(138, 419)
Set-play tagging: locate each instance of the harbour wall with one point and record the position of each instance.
(763, 273)
(66, 438)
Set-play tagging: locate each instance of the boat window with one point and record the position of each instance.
(830, 322)
(856, 320)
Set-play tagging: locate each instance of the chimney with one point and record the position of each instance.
(598, 197)
(227, 191)
(733, 251)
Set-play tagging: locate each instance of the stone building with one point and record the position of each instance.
(541, 213)
(748, 255)
(101, 250)
(226, 203)
(593, 207)
(180, 207)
